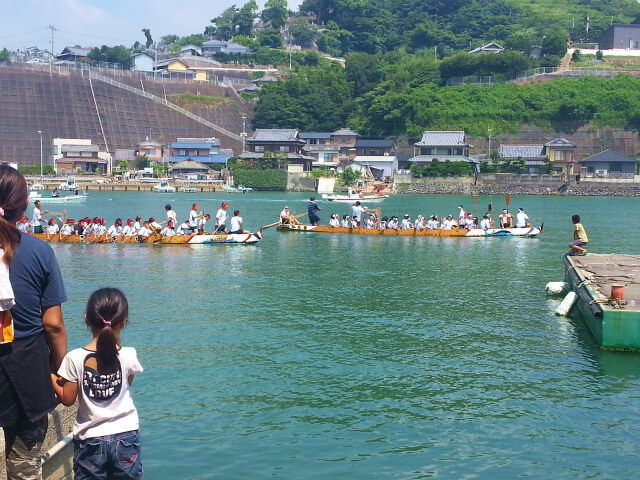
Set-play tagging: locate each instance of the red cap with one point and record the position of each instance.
(71, 221)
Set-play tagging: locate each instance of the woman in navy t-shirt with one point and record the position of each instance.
(40, 338)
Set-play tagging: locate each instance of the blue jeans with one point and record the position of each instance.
(109, 457)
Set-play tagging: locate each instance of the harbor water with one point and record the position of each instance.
(340, 356)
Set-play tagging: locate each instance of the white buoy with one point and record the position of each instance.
(556, 288)
(567, 303)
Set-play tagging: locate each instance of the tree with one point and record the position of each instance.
(302, 30)
(118, 54)
(169, 39)
(147, 34)
(599, 55)
(416, 170)
(4, 55)
(270, 37)
(224, 25)
(576, 56)
(123, 165)
(247, 41)
(160, 169)
(141, 161)
(276, 12)
(349, 176)
(245, 17)
(555, 43)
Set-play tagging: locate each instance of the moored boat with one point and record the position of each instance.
(164, 187)
(191, 239)
(455, 232)
(65, 199)
(353, 198)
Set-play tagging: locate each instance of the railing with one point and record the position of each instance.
(170, 105)
(474, 80)
(535, 71)
(623, 175)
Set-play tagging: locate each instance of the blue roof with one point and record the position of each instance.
(190, 145)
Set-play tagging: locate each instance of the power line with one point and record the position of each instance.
(22, 33)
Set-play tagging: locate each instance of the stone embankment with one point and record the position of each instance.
(601, 190)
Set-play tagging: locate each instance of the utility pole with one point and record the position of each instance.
(244, 132)
(53, 29)
(40, 133)
(489, 154)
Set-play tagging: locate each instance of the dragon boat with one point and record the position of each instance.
(370, 198)
(190, 239)
(454, 232)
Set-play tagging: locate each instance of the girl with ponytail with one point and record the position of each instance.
(39, 336)
(105, 433)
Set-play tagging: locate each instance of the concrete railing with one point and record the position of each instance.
(173, 106)
(58, 446)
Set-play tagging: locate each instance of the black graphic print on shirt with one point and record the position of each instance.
(100, 388)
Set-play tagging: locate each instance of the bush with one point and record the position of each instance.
(447, 169)
(273, 179)
(35, 169)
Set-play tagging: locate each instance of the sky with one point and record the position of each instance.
(89, 23)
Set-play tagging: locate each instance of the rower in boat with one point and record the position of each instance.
(371, 221)
(406, 222)
(67, 228)
(221, 218)
(144, 231)
(128, 230)
(419, 225)
(116, 228)
(486, 222)
(236, 224)
(168, 230)
(383, 222)
(447, 223)
(52, 228)
(171, 215)
(153, 225)
(195, 217)
(393, 222)
(335, 220)
(357, 211)
(346, 223)
(522, 219)
(505, 219)
(184, 228)
(202, 223)
(100, 227)
(137, 224)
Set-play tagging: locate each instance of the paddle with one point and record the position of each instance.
(475, 202)
(278, 222)
(508, 200)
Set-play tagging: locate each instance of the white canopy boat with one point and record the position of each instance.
(355, 197)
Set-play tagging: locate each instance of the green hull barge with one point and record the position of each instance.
(614, 322)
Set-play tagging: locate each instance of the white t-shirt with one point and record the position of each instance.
(172, 217)
(182, 229)
(52, 229)
(419, 225)
(144, 231)
(66, 229)
(345, 224)
(201, 223)
(167, 232)
(221, 217)
(105, 406)
(484, 224)
(113, 230)
(356, 212)
(521, 220)
(447, 224)
(334, 222)
(136, 226)
(193, 217)
(127, 230)
(100, 230)
(37, 216)
(284, 214)
(236, 222)
(22, 227)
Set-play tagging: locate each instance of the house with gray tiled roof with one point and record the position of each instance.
(213, 47)
(559, 151)
(492, 47)
(443, 146)
(608, 165)
(285, 140)
(73, 54)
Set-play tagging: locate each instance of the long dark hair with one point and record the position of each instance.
(13, 200)
(107, 308)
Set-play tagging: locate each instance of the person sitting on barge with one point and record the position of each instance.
(419, 225)
(406, 222)
(67, 228)
(116, 228)
(393, 222)
(168, 230)
(334, 221)
(505, 219)
(346, 223)
(371, 222)
(383, 222)
(522, 219)
(236, 223)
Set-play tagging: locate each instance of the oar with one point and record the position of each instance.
(278, 222)
(475, 202)
(508, 200)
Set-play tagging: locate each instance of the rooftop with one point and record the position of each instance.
(609, 156)
(524, 151)
(375, 143)
(345, 132)
(189, 165)
(442, 139)
(275, 135)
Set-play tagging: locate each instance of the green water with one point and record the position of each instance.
(331, 357)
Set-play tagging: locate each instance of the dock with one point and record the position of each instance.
(614, 322)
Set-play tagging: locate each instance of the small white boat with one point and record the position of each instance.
(34, 195)
(37, 187)
(239, 189)
(188, 189)
(69, 186)
(164, 187)
(65, 199)
(355, 197)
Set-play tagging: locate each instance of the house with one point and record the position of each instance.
(618, 36)
(610, 165)
(141, 62)
(214, 47)
(330, 149)
(73, 54)
(151, 148)
(535, 52)
(346, 139)
(265, 79)
(189, 169)
(488, 48)
(190, 49)
(72, 155)
(446, 146)
(198, 68)
(561, 153)
(375, 147)
(249, 89)
(533, 155)
(381, 166)
(202, 150)
(278, 140)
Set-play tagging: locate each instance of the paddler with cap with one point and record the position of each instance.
(221, 218)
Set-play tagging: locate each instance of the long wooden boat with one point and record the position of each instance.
(355, 197)
(455, 232)
(191, 239)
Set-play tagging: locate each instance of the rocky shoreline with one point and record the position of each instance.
(608, 190)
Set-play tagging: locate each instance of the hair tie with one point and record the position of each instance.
(106, 322)
(1, 212)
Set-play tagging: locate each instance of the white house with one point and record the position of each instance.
(141, 62)
(380, 165)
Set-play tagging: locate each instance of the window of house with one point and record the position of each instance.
(182, 152)
(327, 157)
(284, 148)
(259, 148)
(558, 155)
(427, 151)
(458, 151)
